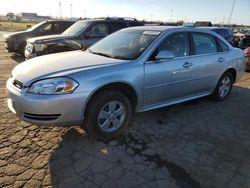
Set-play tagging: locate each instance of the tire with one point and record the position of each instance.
(224, 87)
(107, 115)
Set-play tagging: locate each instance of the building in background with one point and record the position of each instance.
(31, 17)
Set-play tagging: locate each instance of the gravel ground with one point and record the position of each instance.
(200, 143)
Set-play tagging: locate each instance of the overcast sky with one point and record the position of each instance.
(187, 10)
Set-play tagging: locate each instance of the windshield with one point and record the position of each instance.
(126, 45)
(77, 28)
(247, 33)
(36, 26)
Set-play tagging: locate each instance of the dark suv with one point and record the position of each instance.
(245, 40)
(16, 42)
(225, 32)
(81, 35)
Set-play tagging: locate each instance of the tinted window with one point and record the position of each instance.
(204, 43)
(99, 30)
(117, 26)
(223, 46)
(223, 32)
(177, 44)
(134, 23)
(57, 28)
(46, 27)
(67, 25)
(77, 28)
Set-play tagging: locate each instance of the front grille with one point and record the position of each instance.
(41, 117)
(18, 84)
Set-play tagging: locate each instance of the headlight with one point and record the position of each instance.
(40, 47)
(53, 86)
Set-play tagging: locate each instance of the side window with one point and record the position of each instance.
(99, 30)
(57, 28)
(117, 26)
(204, 43)
(46, 27)
(222, 46)
(66, 25)
(177, 43)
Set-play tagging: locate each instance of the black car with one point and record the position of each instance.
(225, 32)
(81, 35)
(245, 40)
(16, 42)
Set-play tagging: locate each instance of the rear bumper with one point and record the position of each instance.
(59, 110)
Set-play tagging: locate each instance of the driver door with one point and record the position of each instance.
(170, 79)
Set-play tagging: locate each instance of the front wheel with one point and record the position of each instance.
(108, 115)
(223, 87)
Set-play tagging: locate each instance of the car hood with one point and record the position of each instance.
(47, 38)
(60, 64)
(20, 33)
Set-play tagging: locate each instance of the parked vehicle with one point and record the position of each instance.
(16, 42)
(203, 24)
(225, 32)
(245, 40)
(247, 55)
(81, 35)
(133, 70)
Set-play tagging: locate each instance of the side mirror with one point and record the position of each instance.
(163, 55)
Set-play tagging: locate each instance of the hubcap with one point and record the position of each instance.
(111, 116)
(225, 87)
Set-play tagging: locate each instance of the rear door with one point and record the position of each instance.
(209, 59)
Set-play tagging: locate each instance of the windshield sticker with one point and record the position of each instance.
(151, 32)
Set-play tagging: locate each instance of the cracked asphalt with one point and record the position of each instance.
(200, 143)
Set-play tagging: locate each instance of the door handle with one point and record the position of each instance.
(221, 59)
(187, 64)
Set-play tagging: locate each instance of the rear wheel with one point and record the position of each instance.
(223, 87)
(108, 115)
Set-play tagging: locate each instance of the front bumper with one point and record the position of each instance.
(29, 52)
(29, 55)
(60, 110)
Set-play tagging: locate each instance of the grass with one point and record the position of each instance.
(15, 26)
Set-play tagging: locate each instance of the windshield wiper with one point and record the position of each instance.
(99, 53)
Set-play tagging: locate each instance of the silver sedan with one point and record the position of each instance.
(133, 70)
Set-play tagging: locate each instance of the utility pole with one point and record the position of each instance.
(84, 14)
(71, 10)
(231, 14)
(60, 9)
(171, 15)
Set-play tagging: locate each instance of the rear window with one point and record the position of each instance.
(204, 43)
(223, 32)
(222, 46)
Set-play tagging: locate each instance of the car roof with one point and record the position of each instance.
(109, 20)
(60, 21)
(154, 28)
